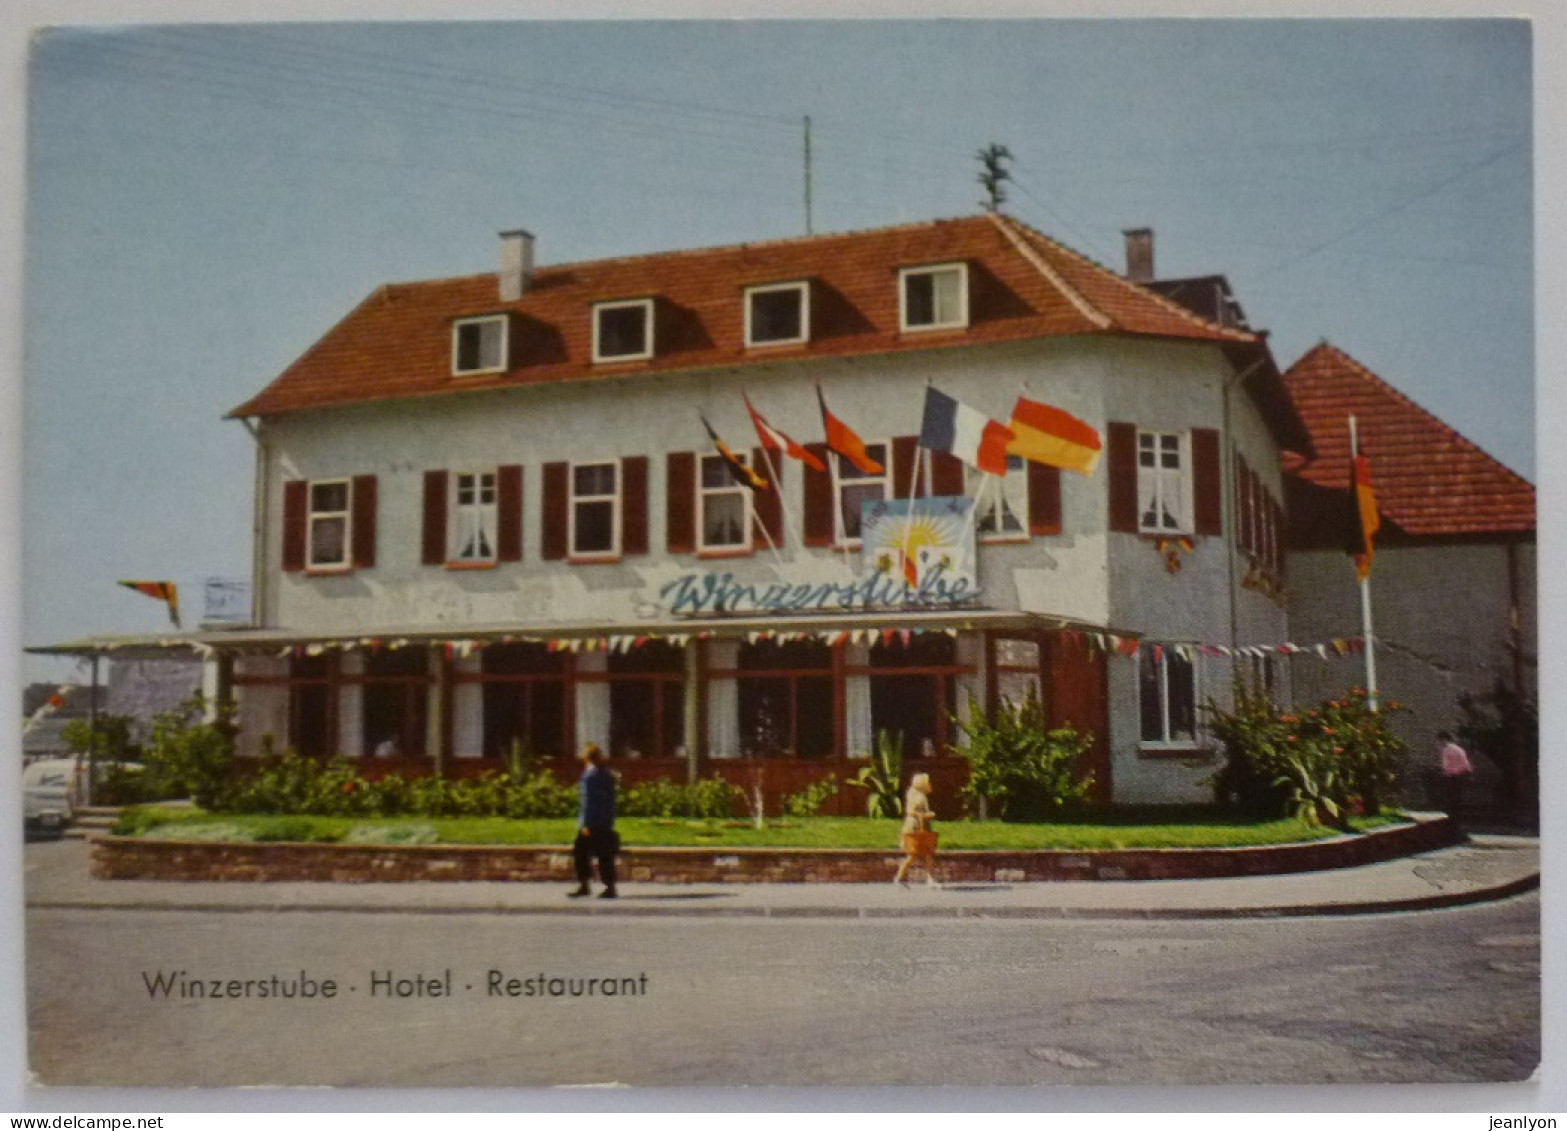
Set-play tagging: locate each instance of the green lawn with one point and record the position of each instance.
(1133, 828)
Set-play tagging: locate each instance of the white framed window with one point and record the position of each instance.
(1003, 512)
(595, 510)
(778, 314)
(723, 507)
(474, 516)
(330, 524)
(623, 331)
(934, 297)
(853, 488)
(1164, 483)
(479, 345)
(1167, 696)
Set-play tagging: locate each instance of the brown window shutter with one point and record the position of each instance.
(768, 503)
(633, 505)
(905, 449)
(1123, 477)
(508, 504)
(364, 521)
(555, 500)
(818, 500)
(1207, 481)
(1278, 540)
(296, 506)
(680, 501)
(946, 474)
(434, 540)
(1044, 499)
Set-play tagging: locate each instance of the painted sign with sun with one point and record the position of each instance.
(920, 540)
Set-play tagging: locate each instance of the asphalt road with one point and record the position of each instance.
(1437, 996)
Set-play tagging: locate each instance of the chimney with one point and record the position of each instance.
(516, 264)
(1139, 254)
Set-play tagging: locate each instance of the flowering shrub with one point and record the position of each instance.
(1318, 762)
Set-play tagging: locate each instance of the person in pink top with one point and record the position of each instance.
(1456, 769)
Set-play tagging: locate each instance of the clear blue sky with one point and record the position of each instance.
(204, 202)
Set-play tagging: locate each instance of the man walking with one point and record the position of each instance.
(596, 835)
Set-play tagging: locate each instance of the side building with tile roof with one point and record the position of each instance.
(1453, 582)
(489, 514)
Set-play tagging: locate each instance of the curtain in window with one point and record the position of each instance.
(857, 702)
(468, 709)
(723, 700)
(592, 702)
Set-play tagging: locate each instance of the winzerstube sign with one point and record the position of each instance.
(915, 553)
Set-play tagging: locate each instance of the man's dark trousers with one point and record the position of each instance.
(602, 845)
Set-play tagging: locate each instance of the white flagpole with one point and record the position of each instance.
(783, 503)
(1365, 582)
(756, 520)
(973, 517)
(914, 478)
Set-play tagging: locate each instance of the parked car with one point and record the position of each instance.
(51, 792)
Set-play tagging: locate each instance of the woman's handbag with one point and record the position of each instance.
(922, 843)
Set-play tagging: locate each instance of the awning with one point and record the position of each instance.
(203, 643)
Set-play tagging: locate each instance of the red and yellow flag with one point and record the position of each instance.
(1049, 435)
(165, 591)
(1369, 520)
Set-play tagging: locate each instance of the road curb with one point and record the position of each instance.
(629, 910)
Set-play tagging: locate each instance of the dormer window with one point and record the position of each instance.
(623, 331)
(933, 298)
(479, 345)
(777, 315)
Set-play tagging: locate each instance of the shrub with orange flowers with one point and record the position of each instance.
(1321, 763)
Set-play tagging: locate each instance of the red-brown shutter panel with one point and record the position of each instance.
(508, 502)
(296, 506)
(680, 501)
(554, 501)
(818, 500)
(633, 504)
(1044, 499)
(1123, 477)
(904, 451)
(1239, 502)
(364, 521)
(768, 503)
(946, 474)
(1208, 481)
(434, 540)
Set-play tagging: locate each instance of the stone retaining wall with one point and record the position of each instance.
(123, 858)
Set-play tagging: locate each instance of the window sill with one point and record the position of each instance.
(734, 552)
(1003, 539)
(944, 327)
(462, 566)
(628, 359)
(1164, 535)
(1178, 753)
(328, 571)
(592, 559)
(782, 344)
(459, 374)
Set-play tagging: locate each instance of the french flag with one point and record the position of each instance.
(967, 433)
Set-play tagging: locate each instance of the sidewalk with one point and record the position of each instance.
(1486, 867)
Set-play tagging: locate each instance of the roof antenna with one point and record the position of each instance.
(994, 175)
(808, 230)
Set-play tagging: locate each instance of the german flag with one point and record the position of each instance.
(1366, 520)
(165, 591)
(738, 468)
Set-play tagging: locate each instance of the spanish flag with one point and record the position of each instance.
(738, 468)
(843, 440)
(1368, 520)
(165, 591)
(1045, 434)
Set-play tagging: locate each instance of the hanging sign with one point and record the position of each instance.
(914, 539)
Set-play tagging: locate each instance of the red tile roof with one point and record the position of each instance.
(1022, 285)
(1429, 480)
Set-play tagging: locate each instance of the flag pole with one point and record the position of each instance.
(1365, 581)
(783, 502)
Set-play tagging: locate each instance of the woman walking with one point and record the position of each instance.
(919, 841)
